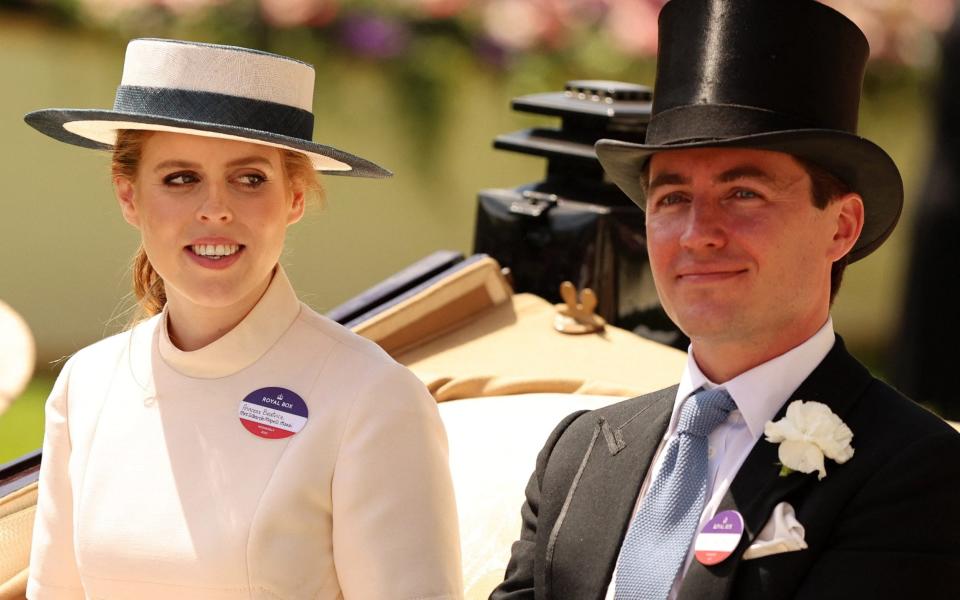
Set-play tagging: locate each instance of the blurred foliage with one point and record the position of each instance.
(496, 32)
(21, 427)
(428, 46)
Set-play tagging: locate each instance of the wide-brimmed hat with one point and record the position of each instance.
(209, 90)
(780, 75)
(17, 355)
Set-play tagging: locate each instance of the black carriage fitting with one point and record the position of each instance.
(576, 225)
(19, 473)
(395, 288)
(589, 110)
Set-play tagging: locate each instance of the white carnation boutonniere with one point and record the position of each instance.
(809, 432)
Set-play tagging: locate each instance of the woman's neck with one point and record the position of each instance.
(192, 326)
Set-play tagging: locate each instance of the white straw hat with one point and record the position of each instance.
(17, 355)
(210, 90)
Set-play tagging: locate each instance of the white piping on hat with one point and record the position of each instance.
(105, 132)
(218, 69)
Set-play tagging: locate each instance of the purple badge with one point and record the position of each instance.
(719, 537)
(273, 413)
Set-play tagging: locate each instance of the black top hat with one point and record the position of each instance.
(209, 90)
(781, 75)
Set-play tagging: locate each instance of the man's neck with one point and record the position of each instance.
(722, 360)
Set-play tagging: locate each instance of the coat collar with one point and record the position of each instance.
(590, 529)
(244, 344)
(838, 382)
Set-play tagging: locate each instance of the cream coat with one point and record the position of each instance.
(151, 487)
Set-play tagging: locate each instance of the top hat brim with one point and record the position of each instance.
(97, 129)
(856, 161)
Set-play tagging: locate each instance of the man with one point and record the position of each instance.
(757, 193)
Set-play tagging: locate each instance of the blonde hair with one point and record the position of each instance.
(147, 284)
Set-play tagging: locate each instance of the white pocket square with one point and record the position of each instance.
(782, 533)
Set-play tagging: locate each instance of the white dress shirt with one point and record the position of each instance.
(758, 393)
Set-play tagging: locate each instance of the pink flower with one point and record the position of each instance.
(437, 9)
(183, 7)
(934, 14)
(516, 24)
(291, 13)
(632, 24)
(899, 30)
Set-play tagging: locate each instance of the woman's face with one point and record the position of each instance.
(213, 214)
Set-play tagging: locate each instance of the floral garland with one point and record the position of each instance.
(899, 31)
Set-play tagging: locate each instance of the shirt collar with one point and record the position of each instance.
(244, 344)
(760, 392)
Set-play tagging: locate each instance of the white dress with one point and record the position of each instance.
(151, 486)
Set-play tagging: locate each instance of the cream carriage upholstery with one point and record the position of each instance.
(486, 353)
(16, 527)
(469, 335)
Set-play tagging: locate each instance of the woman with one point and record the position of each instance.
(235, 444)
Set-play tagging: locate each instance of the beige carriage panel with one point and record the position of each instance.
(469, 335)
(438, 309)
(16, 530)
(513, 348)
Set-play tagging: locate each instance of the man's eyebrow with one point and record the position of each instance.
(744, 172)
(667, 178)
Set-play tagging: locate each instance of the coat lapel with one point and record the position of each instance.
(587, 535)
(838, 382)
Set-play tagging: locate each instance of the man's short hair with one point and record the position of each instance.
(825, 187)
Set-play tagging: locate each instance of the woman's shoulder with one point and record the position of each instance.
(92, 367)
(343, 341)
(109, 349)
(360, 365)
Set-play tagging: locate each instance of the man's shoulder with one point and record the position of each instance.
(620, 413)
(867, 403)
(580, 429)
(886, 416)
(894, 437)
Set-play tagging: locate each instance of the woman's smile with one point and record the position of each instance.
(214, 253)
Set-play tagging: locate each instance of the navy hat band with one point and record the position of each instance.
(220, 109)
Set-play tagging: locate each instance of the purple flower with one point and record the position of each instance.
(491, 53)
(374, 36)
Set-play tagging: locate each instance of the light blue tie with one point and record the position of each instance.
(658, 540)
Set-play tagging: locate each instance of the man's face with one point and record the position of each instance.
(739, 253)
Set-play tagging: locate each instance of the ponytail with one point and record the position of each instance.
(147, 285)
